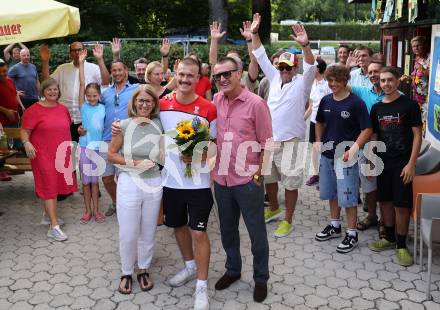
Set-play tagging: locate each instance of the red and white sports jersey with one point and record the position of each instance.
(171, 113)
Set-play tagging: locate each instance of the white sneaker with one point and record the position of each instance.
(183, 276)
(46, 221)
(57, 234)
(201, 301)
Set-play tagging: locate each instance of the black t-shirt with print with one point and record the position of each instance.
(393, 122)
(343, 120)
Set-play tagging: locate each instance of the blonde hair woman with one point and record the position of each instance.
(154, 77)
(139, 192)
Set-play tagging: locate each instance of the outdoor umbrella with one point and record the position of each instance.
(30, 20)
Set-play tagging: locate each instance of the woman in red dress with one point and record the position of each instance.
(45, 133)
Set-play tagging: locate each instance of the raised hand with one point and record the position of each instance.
(116, 46)
(351, 60)
(256, 21)
(165, 47)
(98, 52)
(246, 30)
(44, 53)
(299, 34)
(216, 33)
(83, 55)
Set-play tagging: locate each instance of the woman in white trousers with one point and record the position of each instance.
(136, 152)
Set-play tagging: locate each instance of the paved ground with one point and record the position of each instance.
(84, 271)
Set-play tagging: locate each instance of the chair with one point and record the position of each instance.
(429, 232)
(427, 180)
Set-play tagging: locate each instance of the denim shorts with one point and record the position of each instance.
(338, 181)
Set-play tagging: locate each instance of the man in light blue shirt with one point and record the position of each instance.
(370, 95)
(374, 93)
(115, 99)
(359, 77)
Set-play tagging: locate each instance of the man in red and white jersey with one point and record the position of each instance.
(187, 201)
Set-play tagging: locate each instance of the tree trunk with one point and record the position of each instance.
(263, 7)
(218, 12)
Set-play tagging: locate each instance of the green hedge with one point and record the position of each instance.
(349, 31)
(133, 50)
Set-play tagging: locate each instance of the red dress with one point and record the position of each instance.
(50, 127)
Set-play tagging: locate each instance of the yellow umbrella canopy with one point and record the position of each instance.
(30, 20)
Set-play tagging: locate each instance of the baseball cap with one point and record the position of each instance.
(289, 59)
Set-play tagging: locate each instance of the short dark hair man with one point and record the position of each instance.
(343, 52)
(396, 122)
(359, 77)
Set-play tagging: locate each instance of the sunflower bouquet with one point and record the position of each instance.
(188, 134)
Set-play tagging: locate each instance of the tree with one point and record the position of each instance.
(218, 12)
(264, 8)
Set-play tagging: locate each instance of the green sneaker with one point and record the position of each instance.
(270, 215)
(284, 228)
(404, 257)
(382, 245)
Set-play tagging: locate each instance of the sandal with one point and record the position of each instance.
(86, 217)
(145, 282)
(99, 217)
(366, 223)
(128, 285)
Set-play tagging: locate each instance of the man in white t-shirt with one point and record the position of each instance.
(288, 96)
(67, 76)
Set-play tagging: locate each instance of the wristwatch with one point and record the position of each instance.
(258, 178)
(305, 45)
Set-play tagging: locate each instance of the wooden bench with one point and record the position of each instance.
(19, 162)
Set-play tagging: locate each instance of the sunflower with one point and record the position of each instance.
(185, 130)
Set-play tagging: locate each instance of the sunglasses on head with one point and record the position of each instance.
(226, 75)
(285, 68)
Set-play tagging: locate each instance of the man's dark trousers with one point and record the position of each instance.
(247, 199)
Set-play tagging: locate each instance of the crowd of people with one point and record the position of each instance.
(121, 124)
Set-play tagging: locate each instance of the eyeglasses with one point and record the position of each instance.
(226, 75)
(146, 102)
(285, 68)
(116, 100)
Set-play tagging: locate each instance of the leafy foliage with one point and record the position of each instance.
(319, 10)
(347, 31)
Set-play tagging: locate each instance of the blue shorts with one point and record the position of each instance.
(343, 185)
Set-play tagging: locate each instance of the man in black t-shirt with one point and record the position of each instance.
(397, 123)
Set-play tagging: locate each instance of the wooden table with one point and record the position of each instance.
(6, 154)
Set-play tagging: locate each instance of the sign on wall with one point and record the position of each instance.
(434, 91)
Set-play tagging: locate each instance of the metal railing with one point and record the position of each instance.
(186, 41)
